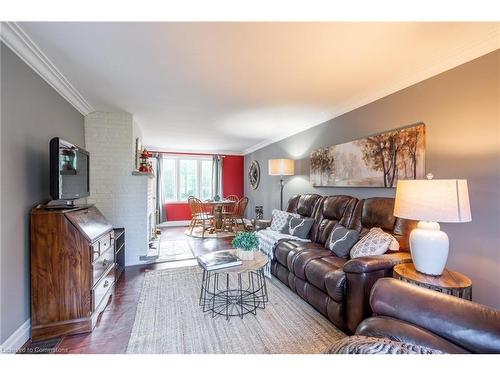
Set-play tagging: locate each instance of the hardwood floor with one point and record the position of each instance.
(114, 326)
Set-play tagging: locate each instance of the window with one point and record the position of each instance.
(185, 176)
(206, 179)
(169, 189)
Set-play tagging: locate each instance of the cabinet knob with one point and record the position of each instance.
(104, 263)
(106, 283)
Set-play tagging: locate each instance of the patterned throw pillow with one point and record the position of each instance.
(299, 227)
(375, 242)
(341, 240)
(376, 345)
(394, 245)
(280, 219)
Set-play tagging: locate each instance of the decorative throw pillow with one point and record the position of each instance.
(279, 220)
(394, 245)
(376, 345)
(375, 242)
(299, 227)
(341, 240)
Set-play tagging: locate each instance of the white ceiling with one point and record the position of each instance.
(234, 87)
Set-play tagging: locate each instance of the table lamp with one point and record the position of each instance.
(431, 201)
(281, 167)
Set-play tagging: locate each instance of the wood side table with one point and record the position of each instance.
(450, 282)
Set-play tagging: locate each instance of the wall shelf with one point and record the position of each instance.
(137, 173)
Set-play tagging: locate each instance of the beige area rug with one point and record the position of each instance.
(169, 320)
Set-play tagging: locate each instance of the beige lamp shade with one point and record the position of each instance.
(281, 167)
(444, 201)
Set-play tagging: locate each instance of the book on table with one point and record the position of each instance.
(218, 260)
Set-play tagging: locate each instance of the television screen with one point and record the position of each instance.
(69, 171)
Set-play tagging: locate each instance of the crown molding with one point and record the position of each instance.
(23, 46)
(200, 152)
(488, 43)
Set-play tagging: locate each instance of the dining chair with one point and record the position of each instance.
(199, 215)
(238, 213)
(227, 210)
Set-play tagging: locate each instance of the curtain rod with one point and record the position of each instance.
(183, 153)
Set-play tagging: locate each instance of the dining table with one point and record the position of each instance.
(217, 209)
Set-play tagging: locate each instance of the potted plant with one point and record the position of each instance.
(247, 244)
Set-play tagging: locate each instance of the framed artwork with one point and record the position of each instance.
(254, 174)
(376, 161)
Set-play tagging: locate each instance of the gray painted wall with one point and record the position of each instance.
(32, 113)
(461, 110)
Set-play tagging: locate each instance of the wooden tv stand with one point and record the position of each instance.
(72, 269)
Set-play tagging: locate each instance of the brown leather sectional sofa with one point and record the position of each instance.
(339, 288)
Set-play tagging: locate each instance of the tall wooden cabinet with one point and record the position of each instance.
(72, 270)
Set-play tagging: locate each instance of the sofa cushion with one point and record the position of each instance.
(304, 204)
(327, 274)
(378, 212)
(283, 248)
(336, 209)
(298, 262)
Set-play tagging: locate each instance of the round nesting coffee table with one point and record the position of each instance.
(235, 291)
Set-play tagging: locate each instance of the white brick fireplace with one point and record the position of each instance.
(121, 197)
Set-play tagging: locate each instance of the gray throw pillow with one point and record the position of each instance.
(341, 240)
(299, 227)
(279, 222)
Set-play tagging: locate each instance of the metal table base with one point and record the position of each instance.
(233, 294)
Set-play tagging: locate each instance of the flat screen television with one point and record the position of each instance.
(69, 171)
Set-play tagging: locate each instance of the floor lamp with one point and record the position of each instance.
(281, 167)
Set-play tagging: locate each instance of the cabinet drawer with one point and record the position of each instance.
(102, 264)
(101, 245)
(100, 290)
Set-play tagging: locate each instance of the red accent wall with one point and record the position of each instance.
(232, 175)
(232, 183)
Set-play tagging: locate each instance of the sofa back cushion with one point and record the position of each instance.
(379, 212)
(335, 209)
(304, 204)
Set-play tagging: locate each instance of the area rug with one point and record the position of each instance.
(174, 250)
(170, 321)
(198, 233)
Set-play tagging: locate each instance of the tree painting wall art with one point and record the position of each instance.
(376, 161)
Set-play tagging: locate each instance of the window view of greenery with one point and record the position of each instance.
(169, 180)
(187, 178)
(206, 180)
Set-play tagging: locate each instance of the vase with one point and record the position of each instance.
(246, 254)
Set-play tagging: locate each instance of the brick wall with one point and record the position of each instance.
(121, 197)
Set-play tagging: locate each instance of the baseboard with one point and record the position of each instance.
(180, 223)
(16, 341)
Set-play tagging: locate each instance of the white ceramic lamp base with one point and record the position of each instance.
(429, 248)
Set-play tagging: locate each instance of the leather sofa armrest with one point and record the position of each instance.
(376, 262)
(473, 326)
(398, 330)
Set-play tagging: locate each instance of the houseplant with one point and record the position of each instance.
(247, 244)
